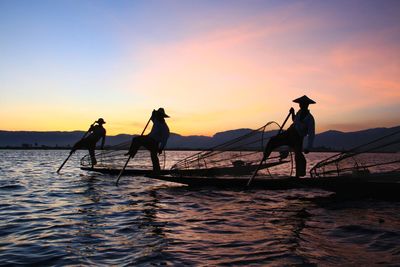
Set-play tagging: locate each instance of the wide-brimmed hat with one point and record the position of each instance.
(100, 121)
(304, 99)
(161, 112)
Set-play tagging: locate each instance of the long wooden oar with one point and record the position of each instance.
(127, 161)
(70, 153)
(65, 161)
(262, 160)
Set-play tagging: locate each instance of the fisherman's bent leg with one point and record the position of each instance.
(135, 145)
(274, 142)
(80, 144)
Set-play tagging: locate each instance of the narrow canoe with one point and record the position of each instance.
(379, 185)
(384, 185)
(126, 172)
(232, 171)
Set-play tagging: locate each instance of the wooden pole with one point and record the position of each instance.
(127, 161)
(65, 161)
(72, 152)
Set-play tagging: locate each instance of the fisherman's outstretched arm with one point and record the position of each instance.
(293, 113)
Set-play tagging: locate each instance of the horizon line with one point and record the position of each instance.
(1, 130)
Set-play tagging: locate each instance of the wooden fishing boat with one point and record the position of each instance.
(239, 156)
(236, 170)
(127, 172)
(376, 185)
(356, 172)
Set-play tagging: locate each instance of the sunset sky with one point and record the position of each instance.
(213, 65)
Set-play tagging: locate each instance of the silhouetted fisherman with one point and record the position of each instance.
(303, 125)
(96, 132)
(155, 141)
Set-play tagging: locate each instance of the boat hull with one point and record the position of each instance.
(232, 171)
(226, 171)
(126, 172)
(371, 186)
(380, 185)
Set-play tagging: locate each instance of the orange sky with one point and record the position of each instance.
(212, 66)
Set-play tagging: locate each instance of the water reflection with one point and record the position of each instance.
(81, 218)
(126, 228)
(89, 220)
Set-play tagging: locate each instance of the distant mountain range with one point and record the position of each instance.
(329, 140)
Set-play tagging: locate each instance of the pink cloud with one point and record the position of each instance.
(258, 65)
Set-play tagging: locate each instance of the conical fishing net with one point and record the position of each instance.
(239, 156)
(381, 155)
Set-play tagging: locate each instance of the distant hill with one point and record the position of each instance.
(334, 140)
(343, 141)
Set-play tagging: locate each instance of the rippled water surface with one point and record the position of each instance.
(82, 218)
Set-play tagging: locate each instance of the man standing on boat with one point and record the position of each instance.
(303, 125)
(96, 132)
(155, 141)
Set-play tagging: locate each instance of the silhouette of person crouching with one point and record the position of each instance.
(96, 132)
(303, 125)
(155, 141)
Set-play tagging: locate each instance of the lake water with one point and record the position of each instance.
(82, 218)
